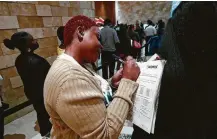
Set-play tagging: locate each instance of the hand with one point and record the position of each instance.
(117, 78)
(131, 70)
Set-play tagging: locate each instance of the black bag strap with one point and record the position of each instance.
(147, 26)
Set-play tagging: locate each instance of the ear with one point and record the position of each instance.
(80, 33)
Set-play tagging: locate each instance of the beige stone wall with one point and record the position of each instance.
(41, 19)
(130, 11)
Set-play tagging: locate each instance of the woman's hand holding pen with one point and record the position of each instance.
(129, 71)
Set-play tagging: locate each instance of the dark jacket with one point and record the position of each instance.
(124, 46)
(187, 102)
(32, 70)
(133, 35)
(141, 33)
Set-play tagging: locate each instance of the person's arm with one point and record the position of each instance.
(137, 37)
(155, 31)
(115, 36)
(81, 106)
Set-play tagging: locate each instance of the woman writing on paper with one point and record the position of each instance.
(76, 97)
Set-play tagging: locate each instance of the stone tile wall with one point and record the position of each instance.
(130, 11)
(41, 19)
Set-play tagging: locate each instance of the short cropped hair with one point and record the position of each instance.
(71, 26)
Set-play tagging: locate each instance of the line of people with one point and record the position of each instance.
(81, 104)
(140, 41)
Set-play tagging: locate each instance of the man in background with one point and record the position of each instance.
(109, 40)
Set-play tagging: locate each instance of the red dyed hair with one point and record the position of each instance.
(71, 26)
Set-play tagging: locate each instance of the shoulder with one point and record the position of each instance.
(18, 58)
(152, 27)
(103, 29)
(135, 33)
(114, 31)
(36, 59)
(64, 70)
(62, 75)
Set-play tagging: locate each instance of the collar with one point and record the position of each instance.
(86, 67)
(69, 58)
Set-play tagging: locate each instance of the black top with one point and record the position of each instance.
(124, 46)
(141, 33)
(187, 102)
(134, 35)
(32, 70)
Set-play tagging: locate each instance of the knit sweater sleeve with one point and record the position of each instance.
(80, 105)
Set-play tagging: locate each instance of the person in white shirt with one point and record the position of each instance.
(150, 30)
(144, 26)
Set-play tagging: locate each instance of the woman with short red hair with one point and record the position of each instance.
(80, 102)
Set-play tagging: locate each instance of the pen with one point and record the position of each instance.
(118, 58)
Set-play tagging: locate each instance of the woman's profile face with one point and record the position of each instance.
(91, 44)
(32, 43)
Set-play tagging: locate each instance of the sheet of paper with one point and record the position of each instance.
(153, 58)
(144, 109)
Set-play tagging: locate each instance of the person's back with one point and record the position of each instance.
(150, 30)
(32, 70)
(133, 35)
(160, 28)
(187, 103)
(124, 41)
(107, 39)
(140, 31)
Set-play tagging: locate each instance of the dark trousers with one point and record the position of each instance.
(135, 52)
(107, 61)
(1, 123)
(43, 118)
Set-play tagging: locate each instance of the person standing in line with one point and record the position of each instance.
(33, 70)
(60, 31)
(123, 49)
(109, 39)
(140, 31)
(160, 28)
(134, 36)
(150, 31)
(80, 102)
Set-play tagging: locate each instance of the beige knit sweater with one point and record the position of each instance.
(74, 101)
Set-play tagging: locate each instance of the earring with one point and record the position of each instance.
(82, 33)
(80, 37)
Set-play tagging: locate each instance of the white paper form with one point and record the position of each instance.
(144, 109)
